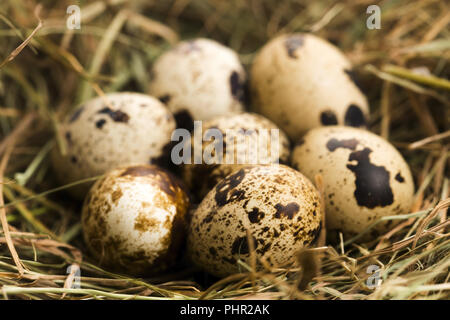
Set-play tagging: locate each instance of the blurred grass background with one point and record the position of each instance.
(47, 69)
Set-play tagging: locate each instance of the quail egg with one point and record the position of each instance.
(243, 136)
(301, 81)
(115, 130)
(134, 219)
(365, 177)
(199, 80)
(277, 205)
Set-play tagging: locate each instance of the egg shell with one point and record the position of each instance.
(300, 81)
(365, 177)
(277, 204)
(245, 129)
(135, 218)
(118, 129)
(198, 80)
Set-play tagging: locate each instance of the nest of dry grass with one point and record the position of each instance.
(46, 69)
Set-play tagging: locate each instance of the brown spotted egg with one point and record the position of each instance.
(365, 177)
(117, 129)
(134, 219)
(198, 80)
(240, 133)
(277, 205)
(300, 81)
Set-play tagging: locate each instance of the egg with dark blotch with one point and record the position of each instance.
(199, 79)
(135, 218)
(117, 129)
(278, 206)
(300, 81)
(240, 132)
(365, 177)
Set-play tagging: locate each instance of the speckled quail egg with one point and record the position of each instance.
(365, 177)
(300, 81)
(117, 129)
(134, 219)
(242, 134)
(277, 205)
(199, 80)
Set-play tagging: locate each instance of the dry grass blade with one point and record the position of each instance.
(4, 222)
(39, 226)
(9, 112)
(323, 232)
(9, 290)
(251, 247)
(16, 51)
(102, 51)
(307, 261)
(410, 75)
(37, 196)
(402, 70)
(74, 269)
(404, 243)
(385, 109)
(218, 284)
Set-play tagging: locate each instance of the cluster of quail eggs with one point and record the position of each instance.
(140, 218)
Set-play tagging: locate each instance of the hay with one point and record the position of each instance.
(45, 70)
